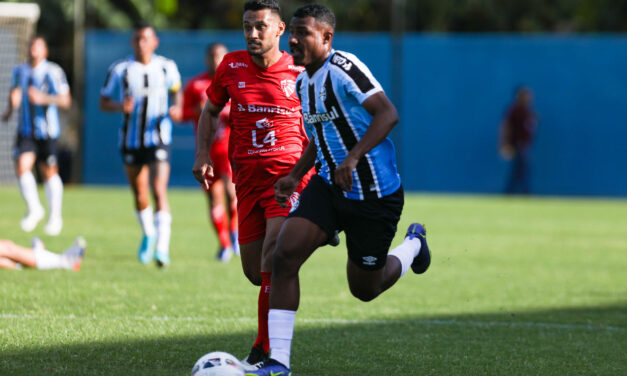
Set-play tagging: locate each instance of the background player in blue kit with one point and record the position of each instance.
(357, 188)
(38, 88)
(145, 87)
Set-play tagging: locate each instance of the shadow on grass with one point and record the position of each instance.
(585, 341)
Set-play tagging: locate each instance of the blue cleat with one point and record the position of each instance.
(271, 368)
(162, 259)
(146, 250)
(423, 260)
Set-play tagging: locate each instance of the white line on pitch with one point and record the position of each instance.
(514, 324)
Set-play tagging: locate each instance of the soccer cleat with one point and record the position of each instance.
(423, 260)
(146, 250)
(36, 243)
(224, 254)
(53, 226)
(162, 259)
(255, 359)
(74, 255)
(31, 219)
(234, 242)
(270, 367)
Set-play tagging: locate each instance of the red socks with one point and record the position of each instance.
(233, 213)
(218, 217)
(262, 312)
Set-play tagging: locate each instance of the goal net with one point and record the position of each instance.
(17, 26)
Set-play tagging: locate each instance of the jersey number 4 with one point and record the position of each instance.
(269, 139)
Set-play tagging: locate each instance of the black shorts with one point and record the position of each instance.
(144, 156)
(369, 225)
(46, 149)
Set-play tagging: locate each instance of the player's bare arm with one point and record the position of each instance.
(14, 101)
(285, 186)
(207, 127)
(384, 118)
(38, 98)
(176, 110)
(109, 105)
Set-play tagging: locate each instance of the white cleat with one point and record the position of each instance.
(30, 221)
(53, 227)
(36, 244)
(75, 253)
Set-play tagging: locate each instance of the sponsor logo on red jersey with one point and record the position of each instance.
(237, 64)
(264, 123)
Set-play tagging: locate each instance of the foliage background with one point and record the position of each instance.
(563, 16)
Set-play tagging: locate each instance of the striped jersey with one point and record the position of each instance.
(331, 103)
(150, 86)
(40, 122)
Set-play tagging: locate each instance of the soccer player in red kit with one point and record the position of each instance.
(221, 193)
(267, 139)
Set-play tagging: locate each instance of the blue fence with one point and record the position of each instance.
(452, 95)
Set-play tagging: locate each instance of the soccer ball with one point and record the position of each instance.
(218, 363)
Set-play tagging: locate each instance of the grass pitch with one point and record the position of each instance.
(517, 286)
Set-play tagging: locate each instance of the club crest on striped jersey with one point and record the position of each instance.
(288, 87)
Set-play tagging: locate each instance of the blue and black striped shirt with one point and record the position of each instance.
(332, 110)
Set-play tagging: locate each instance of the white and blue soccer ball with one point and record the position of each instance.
(218, 363)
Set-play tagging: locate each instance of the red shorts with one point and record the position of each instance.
(219, 154)
(255, 196)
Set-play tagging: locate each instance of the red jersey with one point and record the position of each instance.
(194, 98)
(266, 121)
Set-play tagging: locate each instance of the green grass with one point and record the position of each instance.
(518, 286)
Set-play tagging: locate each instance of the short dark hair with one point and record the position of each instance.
(254, 5)
(140, 25)
(321, 13)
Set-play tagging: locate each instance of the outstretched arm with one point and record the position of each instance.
(384, 118)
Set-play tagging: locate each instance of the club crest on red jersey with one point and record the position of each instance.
(288, 87)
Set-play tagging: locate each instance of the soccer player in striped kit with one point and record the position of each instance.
(357, 188)
(39, 88)
(145, 88)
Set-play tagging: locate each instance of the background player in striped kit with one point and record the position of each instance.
(221, 192)
(145, 88)
(38, 88)
(357, 188)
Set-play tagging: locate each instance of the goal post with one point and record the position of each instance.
(17, 26)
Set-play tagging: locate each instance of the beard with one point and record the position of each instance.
(258, 49)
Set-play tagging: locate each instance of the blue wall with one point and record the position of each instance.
(453, 94)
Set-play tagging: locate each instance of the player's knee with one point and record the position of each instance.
(253, 276)
(5, 246)
(364, 294)
(283, 261)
